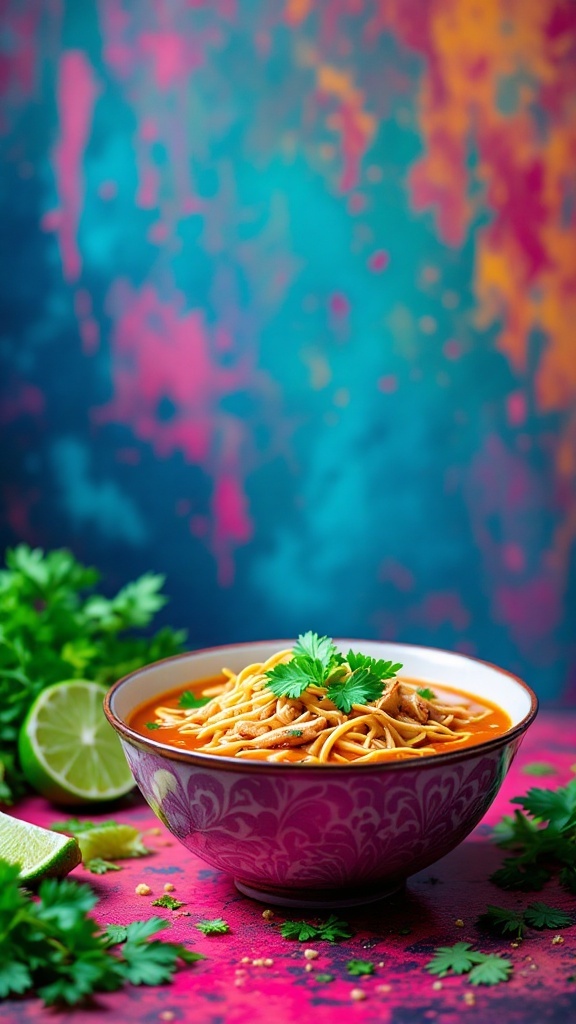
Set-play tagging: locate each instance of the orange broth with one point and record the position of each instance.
(487, 728)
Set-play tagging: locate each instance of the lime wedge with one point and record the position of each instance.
(39, 852)
(67, 750)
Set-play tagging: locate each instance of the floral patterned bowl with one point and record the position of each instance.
(320, 836)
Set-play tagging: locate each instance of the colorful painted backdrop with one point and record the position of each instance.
(289, 294)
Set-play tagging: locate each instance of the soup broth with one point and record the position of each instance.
(428, 718)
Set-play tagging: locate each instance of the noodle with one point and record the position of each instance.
(244, 719)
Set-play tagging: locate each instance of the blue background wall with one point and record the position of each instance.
(288, 299)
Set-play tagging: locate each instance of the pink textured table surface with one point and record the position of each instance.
(399, 936)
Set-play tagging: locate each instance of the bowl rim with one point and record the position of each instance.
(229, 763)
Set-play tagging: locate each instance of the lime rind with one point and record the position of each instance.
(68, 751)
(39, 852)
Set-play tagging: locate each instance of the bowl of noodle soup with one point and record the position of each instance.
(328, 797)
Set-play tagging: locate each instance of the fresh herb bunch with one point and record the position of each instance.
(53, 626)
(317, 662)
(51, 946)
(543, 839)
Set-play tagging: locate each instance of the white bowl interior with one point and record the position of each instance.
(425, 664)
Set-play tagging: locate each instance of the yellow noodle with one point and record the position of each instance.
(244, 705)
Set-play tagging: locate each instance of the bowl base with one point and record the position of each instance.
(318, 899)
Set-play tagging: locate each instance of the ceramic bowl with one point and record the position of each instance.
(330, 835)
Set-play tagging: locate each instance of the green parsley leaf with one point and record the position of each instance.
(458, 959)
(503, 921)
(99, 867)
(358, 968)
(152, 725)
(299, 930)
(168, 902)
(538, 768)
(426, 693)
(558, 807)
(190, 700)
(323, 978)
(490, 971)
(541, 915)
(215, 927)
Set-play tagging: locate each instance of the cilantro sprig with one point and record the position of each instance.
(346, 681)
(54, 626)
(481, 968)
(542, 838)
(217, 926)
(332, 930)
(53, 948)
(504, 921)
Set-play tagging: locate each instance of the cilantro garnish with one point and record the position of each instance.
(55, 626)
(54, 949)
(152, 725)
(332, 930)
(426, 692)
(481, 968)
(98, 866)
(543, 839)
(540, 915)
(358, 968)
(536, 915)
(215, 927)
(168, 902)
(190, 700)
(316, 661)
(539, 768)
(323, 978)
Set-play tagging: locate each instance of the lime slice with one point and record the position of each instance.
(68, 751)
(39, 852)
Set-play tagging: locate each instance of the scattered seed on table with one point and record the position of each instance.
(310, 954)
(267, 915)
(169, 887)
(459, 922)
(357, 994)
(143, 890)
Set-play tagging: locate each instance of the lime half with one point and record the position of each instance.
(68, 751)
(39, 852)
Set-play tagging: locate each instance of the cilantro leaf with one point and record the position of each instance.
(76, 826)
(558, 807)
(359, 688)
(15, 978)
(149, 963)
(190, 700)
(358, 968)
(152, 725)
(541, 915)
(491, 970)
(215, 927)
(299, 930)
(167, 901)
(317, 648)
(503, 921)
(331, 930)
(515, 875)
(458, 959)
(323, 978)
(289, 680)
(538, 768)
(377, 667)
(426, 693)
(99, 867)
